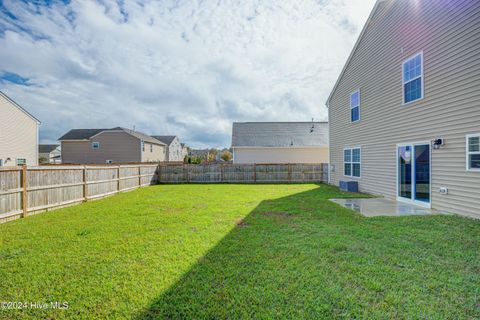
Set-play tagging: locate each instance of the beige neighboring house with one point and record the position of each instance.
(174, 148)
(184, 150)
(405, 112)
(280, 142)
(18, 134)
(116, 145)
(49, 153)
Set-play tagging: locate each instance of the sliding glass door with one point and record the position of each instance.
(414, 172)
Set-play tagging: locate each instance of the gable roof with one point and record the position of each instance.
(279, 134)
(353, 50)
(80, 134)
(19, 107)
(47, 148)
(86, 134)
(165, 139)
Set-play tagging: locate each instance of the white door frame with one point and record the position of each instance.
(413, 201)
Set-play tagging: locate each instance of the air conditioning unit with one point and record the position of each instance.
(349, 186)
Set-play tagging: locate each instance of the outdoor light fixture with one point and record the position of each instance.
(437, 143)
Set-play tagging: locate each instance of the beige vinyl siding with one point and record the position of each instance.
(158, 153)
(280, 155)
(120, 147)
(448, 34)
(18, 134)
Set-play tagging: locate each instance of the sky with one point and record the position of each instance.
(186, 68)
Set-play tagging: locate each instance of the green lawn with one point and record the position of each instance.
(238, 251)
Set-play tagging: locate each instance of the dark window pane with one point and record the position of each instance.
(474, 161)
(356, 170)
(413, 90)
(348, 169)
(355, 114)
(474, 144)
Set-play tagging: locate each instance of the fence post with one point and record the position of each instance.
(24, 191)
(139, 176)
(254, 173)
(118, 178)
(159, 175)
(85, 183)
(289, 166)
(221, 173)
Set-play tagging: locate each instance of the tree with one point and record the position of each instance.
(43, 160)
(212, 154)
(226, 155)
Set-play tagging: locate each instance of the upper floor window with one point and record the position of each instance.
(352, 162)
(95, 145)
(473, 152)
(355, 106)
(143, 146)
(151, 147)
(413, 78)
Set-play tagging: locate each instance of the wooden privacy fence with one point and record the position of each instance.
(242, 173)
(26, 190)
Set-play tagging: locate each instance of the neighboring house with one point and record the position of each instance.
(412, 79)
(174, 148)
(116, 145)
(280, 142)
(184, 150)
(49, 153)
(18, 134)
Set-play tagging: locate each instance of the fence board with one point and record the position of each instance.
(242, 173)
(50, 187)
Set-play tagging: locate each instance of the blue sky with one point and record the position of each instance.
(188, 68)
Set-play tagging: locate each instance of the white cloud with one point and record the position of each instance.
(172, 67)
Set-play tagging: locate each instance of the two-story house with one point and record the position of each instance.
(116, 145)
(175, 152)
(404, 113)
(18, 134)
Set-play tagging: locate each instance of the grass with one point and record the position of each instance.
(238, 251)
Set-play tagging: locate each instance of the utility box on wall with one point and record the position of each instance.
(349, 186)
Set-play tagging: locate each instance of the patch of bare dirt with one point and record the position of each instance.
(241, 223)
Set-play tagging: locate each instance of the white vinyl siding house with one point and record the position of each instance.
(416, 66)
(280, 142)
(18, 134)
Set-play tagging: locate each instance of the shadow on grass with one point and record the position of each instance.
(302, 256)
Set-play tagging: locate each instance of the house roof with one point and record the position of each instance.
(279, 134)
(375, 7)
(80, 134)
(165, 139)
(19, 107)
(47, 148)
(85, 134)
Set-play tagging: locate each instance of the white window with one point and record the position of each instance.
(413, 78)
(351, 162)
(473, 152)
(151, 147)
(95, 145)
(143, 146)
(355, 106)
(21, 162)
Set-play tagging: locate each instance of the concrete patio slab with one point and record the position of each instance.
(377, 207)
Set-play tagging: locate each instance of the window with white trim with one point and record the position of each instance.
(413, 78)
(143, 146)
(151, 147)
(95, 145)
(352, 162)
(473, 152)
(21, 162)
(355, 106)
